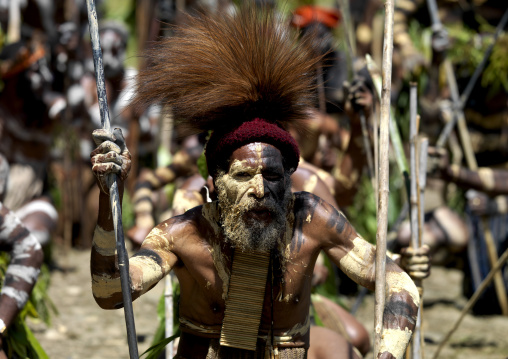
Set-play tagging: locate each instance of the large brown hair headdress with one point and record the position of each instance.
(219, 72)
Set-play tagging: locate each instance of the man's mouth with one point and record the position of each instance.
(260, 214)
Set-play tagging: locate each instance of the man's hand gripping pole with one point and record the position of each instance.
(123, 260)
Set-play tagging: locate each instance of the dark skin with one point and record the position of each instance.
(185, 243)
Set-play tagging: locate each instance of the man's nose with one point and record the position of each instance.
(257, 186)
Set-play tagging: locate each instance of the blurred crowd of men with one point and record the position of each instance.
(49, 107)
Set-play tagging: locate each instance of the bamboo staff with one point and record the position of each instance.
(414, 214)
(168, 305)
(421, 177)
(123, 260)
(14, 27)
(481, 288)
(382, 220)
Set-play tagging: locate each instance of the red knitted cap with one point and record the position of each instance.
(221, 145)
(304, 15)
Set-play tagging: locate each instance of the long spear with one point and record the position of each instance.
(123, 260)
(382, 220)
(414, 214)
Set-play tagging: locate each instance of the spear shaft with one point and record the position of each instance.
(382, 221)
(116, 209)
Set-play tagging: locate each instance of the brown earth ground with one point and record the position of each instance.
(83, 330)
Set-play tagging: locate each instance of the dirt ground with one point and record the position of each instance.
(83, 330)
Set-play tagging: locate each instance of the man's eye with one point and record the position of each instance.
(272, 176)
(242, 175)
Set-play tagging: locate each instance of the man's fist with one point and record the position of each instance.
(437, 162)
(358, 96)
(416, 262)
(110, 156)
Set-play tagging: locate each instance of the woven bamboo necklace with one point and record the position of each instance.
(244, 304)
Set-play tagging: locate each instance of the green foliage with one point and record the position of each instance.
(362, 214)
(160, 341)
(155, 350)
(496, 73)
(467, 48)
(128, 215)
(202, 167)
(18, 338)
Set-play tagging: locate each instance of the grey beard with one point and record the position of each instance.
(247, 234)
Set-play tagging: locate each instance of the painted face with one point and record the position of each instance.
(113, 53)
(254, 196)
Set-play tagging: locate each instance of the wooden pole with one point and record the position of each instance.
(168, 305)
(481, 288)
(382, 221)
(492, 255)
(14, 27)
(413, 200)
(116, 209)
(421, 176)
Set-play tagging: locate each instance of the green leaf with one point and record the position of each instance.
(202, 167)
(34, 344)
(155, 350)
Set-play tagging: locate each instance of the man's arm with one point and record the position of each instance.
(150, 181)
(148, 265)
(356, 257)
(23, 269)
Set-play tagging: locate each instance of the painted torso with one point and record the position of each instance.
(204, 262)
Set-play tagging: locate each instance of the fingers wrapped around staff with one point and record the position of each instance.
(416, 262)
(110, 156)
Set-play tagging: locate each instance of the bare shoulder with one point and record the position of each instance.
(194, 226)
(320, 220)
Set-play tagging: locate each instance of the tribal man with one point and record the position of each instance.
(26, 258)
(245, 261)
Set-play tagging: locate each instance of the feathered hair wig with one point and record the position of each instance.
(219, 72)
